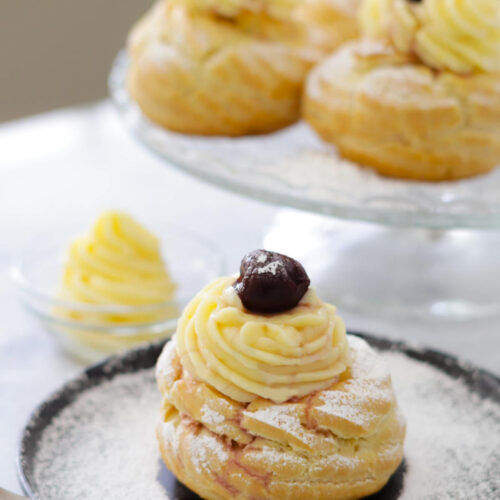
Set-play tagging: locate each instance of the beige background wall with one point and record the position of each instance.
(55, 53)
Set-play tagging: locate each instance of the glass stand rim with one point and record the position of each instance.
(271, 168)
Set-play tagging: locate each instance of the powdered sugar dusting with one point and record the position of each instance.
(370, 384)
(202, 446)
(271, 268)
(282, 417)
(346, 406)
(338, 462)
(366, 363)
(167, 369)
(170, 433)
(273, 456)
(261, 258)
(211, 417)
(453, 436)
(102, 445)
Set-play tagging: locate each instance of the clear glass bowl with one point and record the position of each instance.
(91, 332)
(293, 167)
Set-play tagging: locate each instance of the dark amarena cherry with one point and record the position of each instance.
(270, 282)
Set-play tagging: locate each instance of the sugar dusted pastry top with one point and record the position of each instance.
(457, 35)
(359, 405)
(245, 354)
(117, 262)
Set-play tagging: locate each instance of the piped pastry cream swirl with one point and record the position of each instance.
(117, 263)
(457, 35)
(246, 355)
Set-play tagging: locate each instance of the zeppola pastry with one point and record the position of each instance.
(228, 67)
(231, 67)
(419, 96)
(266, 397)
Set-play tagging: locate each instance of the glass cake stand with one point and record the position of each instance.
(429, 254)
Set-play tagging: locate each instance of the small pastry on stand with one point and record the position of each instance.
(212, 67)
(231, 67)
(419, 96)
(266, 396)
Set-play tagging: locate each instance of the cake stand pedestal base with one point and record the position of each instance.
(394, 272)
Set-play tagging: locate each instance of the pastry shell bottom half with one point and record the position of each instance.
(341, 443)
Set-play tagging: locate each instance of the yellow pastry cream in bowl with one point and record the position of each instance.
(114, 288)
(117, 262)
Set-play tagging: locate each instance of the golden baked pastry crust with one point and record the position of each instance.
(384, 109)
(200, 73)
(339, 443)
(331, 22)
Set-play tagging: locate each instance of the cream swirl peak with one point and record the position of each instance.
(275, 356)
(458, 35)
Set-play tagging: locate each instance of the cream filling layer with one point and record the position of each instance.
(245, 355)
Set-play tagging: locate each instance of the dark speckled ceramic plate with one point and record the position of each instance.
(42, 464)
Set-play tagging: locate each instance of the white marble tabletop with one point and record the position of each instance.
(64, 168)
